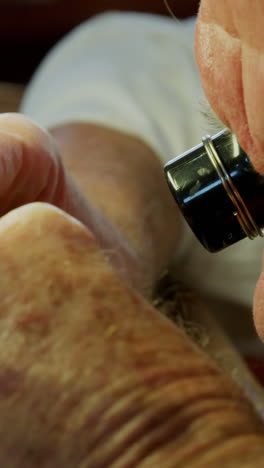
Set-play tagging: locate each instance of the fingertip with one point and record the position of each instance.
(36, 214)
(27, 131)
(17, 119)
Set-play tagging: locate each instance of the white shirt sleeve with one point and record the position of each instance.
(137, 73)
(130, 71)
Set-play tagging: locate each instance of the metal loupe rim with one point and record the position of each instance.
(242, 213)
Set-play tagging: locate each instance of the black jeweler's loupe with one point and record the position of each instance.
(218, 190)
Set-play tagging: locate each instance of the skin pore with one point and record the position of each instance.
(229, 51)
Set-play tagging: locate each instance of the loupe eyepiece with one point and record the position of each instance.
(218, 190)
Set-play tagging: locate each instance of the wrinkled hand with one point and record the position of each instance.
(90, 374)
(31, 170)
(229, 51)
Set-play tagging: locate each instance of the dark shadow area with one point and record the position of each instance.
(28, 31)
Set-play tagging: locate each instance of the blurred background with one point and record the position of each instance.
(28, 28)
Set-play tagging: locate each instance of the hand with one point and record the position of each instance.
(32, 170)
(229, 51)
(90, 374)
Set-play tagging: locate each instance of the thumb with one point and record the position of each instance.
(92, 376)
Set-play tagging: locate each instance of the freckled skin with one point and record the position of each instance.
(91, 375)
(230, 57)
(89, 380)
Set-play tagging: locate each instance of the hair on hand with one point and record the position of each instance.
(212, 123)
(170, 11)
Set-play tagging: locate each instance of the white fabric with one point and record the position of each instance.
(137, 73)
